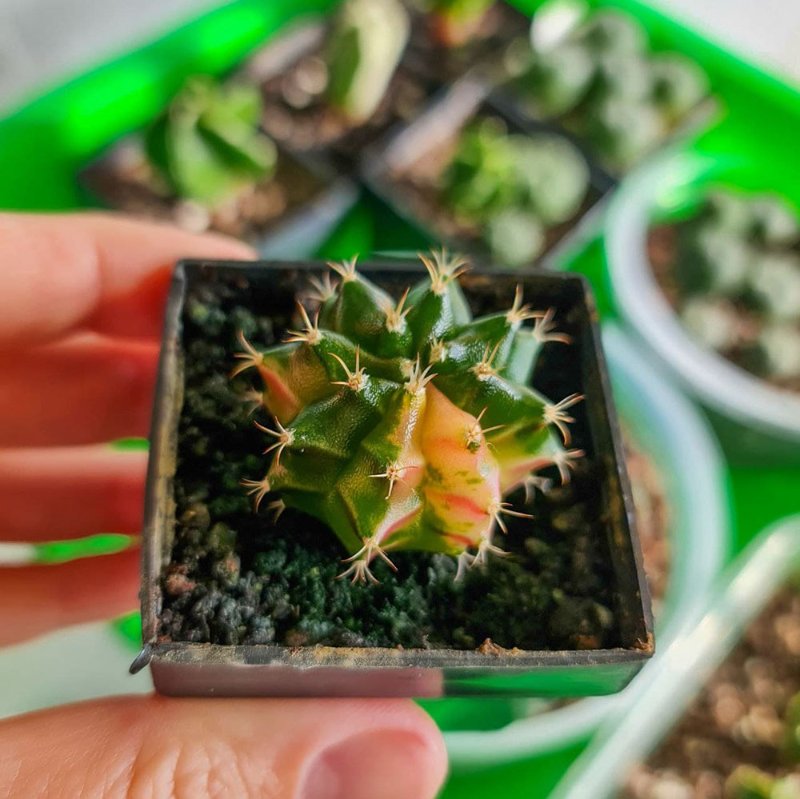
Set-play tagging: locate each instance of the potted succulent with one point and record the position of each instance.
(594, 74)
(720, 715)
(338, 84)
(730, 267)
(390, 547)
(704, 268)
(473, 176)
(204, 163)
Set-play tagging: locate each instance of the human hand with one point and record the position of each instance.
(81, 299)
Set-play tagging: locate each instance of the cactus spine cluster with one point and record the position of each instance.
(404, 425)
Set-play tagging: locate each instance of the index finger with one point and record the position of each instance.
(60, 272)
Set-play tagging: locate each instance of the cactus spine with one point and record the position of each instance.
(403, 425)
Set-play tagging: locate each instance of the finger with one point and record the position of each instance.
(63, 271)
(37, 599)
(67, 492)
(83, 390)
(199, 748)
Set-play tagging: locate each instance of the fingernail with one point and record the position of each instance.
(390, 764)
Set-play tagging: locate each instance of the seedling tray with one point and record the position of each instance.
(387, 171)
(181, 668)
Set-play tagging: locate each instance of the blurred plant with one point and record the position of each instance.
(455, 22)
(514, 187)
(363, 50)
(748, 782)
(737, 277)
(597, 75)
(403, 424)
(207, 145)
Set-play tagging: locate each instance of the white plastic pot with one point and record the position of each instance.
(668, 688)
(757, 423)
(671, 431)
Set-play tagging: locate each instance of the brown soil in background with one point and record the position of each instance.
(738, 717)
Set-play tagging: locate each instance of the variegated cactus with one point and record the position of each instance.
(404, 425)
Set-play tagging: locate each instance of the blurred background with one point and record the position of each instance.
(658, 144)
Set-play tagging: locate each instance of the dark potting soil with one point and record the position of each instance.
(236, 577)
(663, 251)
(125, 181)
(738, 719)
(418, 189)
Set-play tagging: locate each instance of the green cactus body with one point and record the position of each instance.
(364, 48)
(403, 425)
(207, 144)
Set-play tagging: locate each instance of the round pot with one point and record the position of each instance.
(671, 432)
(756, 422)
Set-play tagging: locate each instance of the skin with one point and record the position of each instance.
(81, 298)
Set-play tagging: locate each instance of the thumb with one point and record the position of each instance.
(196, 748)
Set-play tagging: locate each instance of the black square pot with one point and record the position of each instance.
(385, 168)
(196, 668)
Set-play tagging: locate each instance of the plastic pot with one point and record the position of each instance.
(668, 689)
(756, 422)
(181, 668)
(671, 432)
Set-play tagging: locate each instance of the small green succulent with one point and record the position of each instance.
(363, 50)
(600, 80)
(737, 272)
(513, 187)
(207, 144)
(403, 425)
(748, 782)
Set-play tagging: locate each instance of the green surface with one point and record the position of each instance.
(48, 140)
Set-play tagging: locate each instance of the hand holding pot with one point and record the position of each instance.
(80, 314)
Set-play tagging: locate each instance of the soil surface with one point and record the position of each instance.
(663, 251)
(238, 578)
(125, 181)
(417, 189)
(738, 719)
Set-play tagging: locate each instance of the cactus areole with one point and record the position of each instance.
(403, 425)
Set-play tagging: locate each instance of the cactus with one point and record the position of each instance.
(594, 71)
(207, 145)
(514, 186)
(363, 50)
(405, 425)
(737, 277)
